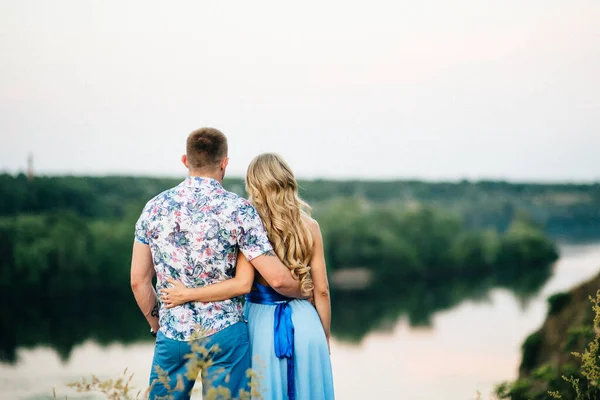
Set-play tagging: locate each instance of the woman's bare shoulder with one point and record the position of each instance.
(313, 225)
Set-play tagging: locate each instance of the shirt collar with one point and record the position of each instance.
(201, 182)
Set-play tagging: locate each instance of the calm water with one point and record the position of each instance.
(470, 346)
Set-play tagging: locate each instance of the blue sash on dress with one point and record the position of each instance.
(283, 328)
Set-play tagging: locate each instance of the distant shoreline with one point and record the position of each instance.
(386, 180)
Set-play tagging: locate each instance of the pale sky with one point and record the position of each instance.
(371, 89)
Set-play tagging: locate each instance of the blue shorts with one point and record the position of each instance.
(227, 367)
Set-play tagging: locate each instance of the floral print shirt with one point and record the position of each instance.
(194, 231)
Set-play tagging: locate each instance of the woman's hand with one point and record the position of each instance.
(174, 296)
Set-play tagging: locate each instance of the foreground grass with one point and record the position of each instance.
(199, 359)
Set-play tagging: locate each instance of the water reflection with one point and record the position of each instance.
(65, 321)
(360, 312)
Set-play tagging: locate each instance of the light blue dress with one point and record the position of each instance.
(290, 328)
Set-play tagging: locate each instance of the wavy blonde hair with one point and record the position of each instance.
(273, 190)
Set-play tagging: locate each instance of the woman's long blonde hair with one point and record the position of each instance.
(273, 190)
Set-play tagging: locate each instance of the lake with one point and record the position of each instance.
(463, 346)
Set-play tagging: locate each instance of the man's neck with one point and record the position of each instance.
(204, 174)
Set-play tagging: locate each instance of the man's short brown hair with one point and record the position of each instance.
(206, 147)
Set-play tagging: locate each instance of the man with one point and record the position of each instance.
(192, 233)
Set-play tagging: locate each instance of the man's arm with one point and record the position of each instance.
(142, 272)
(277, 275)
(254, 244)
(240, 284)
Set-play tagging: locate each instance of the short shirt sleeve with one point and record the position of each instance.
(142, 226)
(252, 237)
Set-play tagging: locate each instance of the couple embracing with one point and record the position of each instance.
(208, 248)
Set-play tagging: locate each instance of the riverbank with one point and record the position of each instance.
(547, 351)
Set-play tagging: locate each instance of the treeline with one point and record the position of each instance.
(77, 233)
(426, 242)
(62, 250)
(107, 197)
(568, 211)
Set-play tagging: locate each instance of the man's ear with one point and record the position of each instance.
(184, 160)
(224, 163)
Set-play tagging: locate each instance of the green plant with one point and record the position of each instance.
(590, 365)
(530, 349)
(557, 302)
(118, 389)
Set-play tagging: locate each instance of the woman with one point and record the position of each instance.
(289, 337)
